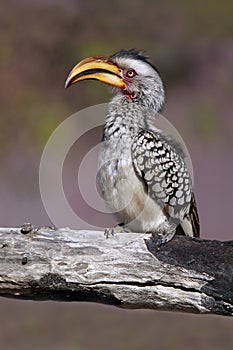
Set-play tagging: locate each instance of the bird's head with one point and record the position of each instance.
(129, 72)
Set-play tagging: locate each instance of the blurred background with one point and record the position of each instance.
(191, 44)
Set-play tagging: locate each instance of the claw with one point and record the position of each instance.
(164, 238)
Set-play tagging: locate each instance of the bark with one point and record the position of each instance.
(128, 270)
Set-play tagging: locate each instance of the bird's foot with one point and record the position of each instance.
(164, 238)
(166, 234)
(108, 232)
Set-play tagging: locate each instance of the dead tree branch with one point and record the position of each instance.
(127, 270)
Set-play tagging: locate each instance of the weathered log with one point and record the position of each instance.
(127, 270)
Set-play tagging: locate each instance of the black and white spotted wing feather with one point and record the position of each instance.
(161, 167)
(193, 214)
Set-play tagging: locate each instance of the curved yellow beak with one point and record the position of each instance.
(97, 68)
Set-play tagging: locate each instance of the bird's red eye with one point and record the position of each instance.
(130, 73)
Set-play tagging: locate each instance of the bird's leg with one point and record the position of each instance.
(116, 229)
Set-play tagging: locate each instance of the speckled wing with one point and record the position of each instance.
(161, 167)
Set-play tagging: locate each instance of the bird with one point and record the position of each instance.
(142, 173)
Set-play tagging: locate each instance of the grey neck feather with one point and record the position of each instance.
(129, 116)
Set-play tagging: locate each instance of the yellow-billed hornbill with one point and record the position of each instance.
(142, 173)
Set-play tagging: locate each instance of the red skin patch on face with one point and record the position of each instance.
(128, 94)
